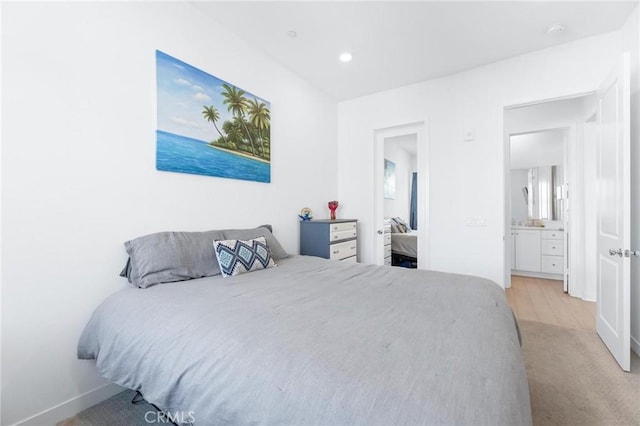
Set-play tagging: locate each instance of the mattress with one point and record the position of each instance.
(317, 342)
(405, 244)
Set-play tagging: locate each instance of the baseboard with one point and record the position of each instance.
(544, 275)
(72, 407)
(635, 345)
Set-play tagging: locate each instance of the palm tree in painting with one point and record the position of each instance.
(235, 134)
(260, 118)
(237, 104)
(212, 115)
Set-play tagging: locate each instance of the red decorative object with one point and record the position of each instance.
(333, 205)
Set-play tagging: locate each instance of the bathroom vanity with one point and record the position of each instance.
(538, 252)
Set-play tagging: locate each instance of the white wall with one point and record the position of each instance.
(405, 165)
(466, 178)
(79, 178)
(546, 115)
(631, 42)
(537, 149)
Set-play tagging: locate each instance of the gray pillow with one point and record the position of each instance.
(394, 227)
(403, 226)
(171, 256)
(262, 231)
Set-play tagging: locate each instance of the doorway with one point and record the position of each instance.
(546, 235)
(400, 200)
(408, 145)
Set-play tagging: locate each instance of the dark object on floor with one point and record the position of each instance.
(403, 261)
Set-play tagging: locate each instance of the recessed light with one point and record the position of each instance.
(292, 34)
(345, 57)
(555, 29)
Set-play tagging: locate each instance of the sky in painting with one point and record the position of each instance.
(183, 91)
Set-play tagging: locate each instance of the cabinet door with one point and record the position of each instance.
(527, 250)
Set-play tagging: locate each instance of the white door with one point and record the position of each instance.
(613, 180)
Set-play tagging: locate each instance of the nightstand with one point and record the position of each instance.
(330, 239)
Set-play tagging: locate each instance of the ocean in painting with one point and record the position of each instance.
(175, 153)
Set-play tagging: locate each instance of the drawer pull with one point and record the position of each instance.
(554, 247)
(338, 251)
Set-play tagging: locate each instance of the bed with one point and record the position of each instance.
(405, 244)
(317, 342)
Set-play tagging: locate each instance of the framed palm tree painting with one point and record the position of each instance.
(207, 126)
(389, 181)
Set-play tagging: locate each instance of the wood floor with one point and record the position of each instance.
(541, 300)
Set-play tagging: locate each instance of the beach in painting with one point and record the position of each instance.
(181, 154)
(209, 127)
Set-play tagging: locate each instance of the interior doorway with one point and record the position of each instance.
(401, 151)
(548, 164)
(400, 200)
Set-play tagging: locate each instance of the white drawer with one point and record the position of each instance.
(341, 251)
(344, 226)
(552, 247)
(342, 235)
(387, 251)
(387, 261)
(553, 264)
(387, 239)
(552, 235)
(352, 259)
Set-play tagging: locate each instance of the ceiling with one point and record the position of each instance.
(399, 43)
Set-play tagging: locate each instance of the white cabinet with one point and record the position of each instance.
(552, 252)
(527, 243)
(539, 252)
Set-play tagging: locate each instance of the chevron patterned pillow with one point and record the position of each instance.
(238, 256)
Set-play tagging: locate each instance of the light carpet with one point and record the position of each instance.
(574, 380)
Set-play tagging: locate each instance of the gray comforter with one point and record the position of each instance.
(316, 342)
(405, 244)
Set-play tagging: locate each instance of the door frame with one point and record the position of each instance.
(422, 139)
(570, 138)
(504, 157)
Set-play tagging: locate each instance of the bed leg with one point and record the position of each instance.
(137, 398)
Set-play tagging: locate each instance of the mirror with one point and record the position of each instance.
(537, 176)
(543, 192)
